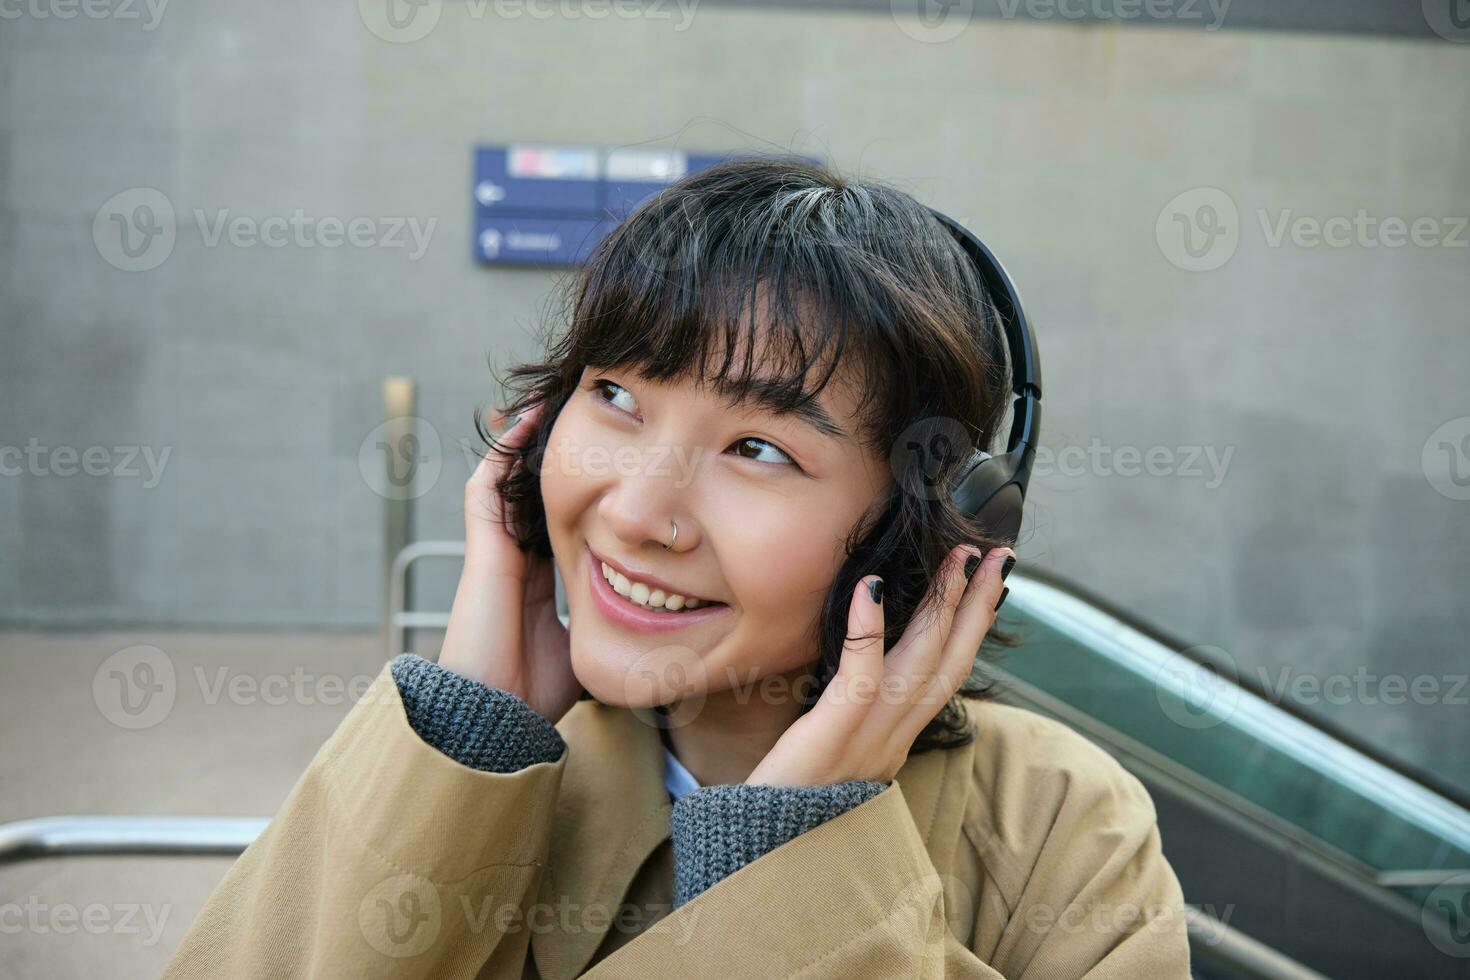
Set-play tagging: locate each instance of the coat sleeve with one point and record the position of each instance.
(417, 833)
(858, 895)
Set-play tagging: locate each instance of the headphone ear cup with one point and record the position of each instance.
(1000, 516)
(988, 494)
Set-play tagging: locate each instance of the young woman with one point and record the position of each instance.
(761, 749)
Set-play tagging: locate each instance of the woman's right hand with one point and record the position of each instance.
(503, 629)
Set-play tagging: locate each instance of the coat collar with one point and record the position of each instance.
(613, 811)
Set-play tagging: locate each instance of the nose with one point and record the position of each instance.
(641, 510)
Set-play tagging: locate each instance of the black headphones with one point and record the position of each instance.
(991, 489)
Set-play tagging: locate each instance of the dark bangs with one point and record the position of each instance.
(766, 280)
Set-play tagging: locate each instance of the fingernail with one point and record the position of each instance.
(1005, 569)
(971, 563)
(1001, 601)
(875, 589)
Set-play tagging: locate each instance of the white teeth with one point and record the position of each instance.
(646, 596)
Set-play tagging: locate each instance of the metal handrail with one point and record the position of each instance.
(1212, 942)
(68, 835)
(400, 618)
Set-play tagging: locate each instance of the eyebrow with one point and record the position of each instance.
(766, 395)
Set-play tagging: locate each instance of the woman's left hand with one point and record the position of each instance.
(875, 706)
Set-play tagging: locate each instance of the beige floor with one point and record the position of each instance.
(248, 713)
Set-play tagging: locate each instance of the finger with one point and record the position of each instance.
(855, 686)
(919, 650)
(973, 619)
(481, 500)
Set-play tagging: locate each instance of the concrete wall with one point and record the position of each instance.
(1326, 538)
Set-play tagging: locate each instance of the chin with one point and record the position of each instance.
(636, 676)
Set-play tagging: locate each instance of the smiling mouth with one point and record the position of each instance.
(650, 599)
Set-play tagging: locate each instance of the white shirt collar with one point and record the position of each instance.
(678, 779)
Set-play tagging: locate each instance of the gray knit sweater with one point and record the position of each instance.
(716, 829)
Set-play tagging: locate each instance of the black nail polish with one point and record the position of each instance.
(875, 589)
(1001, 601)
(1005, 569)
(971, 563)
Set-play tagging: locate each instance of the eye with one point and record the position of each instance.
(783, 458)
(599, 388)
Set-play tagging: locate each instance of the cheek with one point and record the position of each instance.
(781, 560)
(565, 483)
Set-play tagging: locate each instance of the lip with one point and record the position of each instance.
(628, 615)
(637, 576)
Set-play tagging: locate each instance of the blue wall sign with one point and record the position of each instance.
(551, 205)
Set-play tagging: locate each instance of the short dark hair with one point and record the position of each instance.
(850, 275)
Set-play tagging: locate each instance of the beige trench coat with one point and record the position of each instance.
(1028, 853)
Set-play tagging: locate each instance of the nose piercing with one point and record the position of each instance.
(676, 534)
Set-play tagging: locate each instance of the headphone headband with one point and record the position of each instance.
(992, 489)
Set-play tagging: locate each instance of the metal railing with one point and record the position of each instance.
(75, 835)
(400, 618)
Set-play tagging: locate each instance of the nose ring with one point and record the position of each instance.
(676, 534)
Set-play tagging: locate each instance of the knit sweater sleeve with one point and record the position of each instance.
(716, 829)
(477, 725)
(719, 829)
